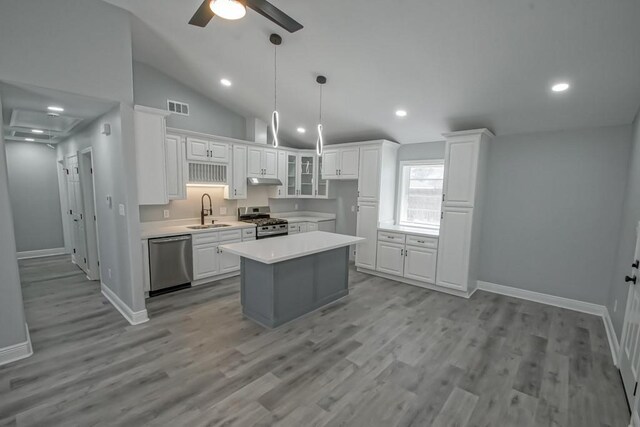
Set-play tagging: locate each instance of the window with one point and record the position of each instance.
(420, 193)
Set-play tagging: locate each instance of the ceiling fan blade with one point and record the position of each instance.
(203, 15)
(274, 14)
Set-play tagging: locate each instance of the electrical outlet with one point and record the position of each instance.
(109, 272)
(121, 209)
(615, 305)
(223, 210)
(108, 201)
(166, 214)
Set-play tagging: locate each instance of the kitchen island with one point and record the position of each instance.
(286, 277)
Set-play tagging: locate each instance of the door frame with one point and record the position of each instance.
(64, 205)
(88, 189)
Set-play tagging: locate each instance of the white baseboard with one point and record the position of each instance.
(133, 317)
(41, 253)
(412, 282)
(17, 351)
(570, 304)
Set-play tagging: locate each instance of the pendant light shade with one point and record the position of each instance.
(276, 40)
(228, 9)
(321, 80)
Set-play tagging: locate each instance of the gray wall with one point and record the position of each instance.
(83, 47)
(627, 238)
(422, 151)
(12, 321)
(346, 197)
(152, 88)
(35, 197)
(551, 218)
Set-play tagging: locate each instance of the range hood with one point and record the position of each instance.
(264, 181)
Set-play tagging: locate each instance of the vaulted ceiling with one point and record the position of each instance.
(454, 64)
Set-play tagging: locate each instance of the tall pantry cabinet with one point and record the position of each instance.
(464, 180)
(376, 196)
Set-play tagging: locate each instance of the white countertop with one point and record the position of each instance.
(277, 249)
(164, 230)
(304, 216)
(409, 230)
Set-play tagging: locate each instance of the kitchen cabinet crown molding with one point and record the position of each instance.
(151, 110)
(481, 131)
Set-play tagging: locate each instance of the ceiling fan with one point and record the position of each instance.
(236, 9)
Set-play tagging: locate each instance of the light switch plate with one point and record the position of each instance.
(223, 210)
(166, 213)
(108, 201)
(121, 209)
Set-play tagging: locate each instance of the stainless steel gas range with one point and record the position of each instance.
(261, 217)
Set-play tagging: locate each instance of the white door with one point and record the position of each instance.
(630, 345)
(367, 227)
(454, 248)
(254, 162)
(420, 264)
(349, 163)
(330, 164)
(390, 258)
(219, 152)
(76, 212)
(205, 261)
(369, 176)
(239, 172)
(197, 149)
(228, 261)
(460, 167)
(270, 163)
(173, 158)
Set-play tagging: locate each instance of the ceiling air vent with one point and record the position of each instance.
(176, 107)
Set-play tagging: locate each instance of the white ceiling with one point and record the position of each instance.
(28, 105)
(451, 64)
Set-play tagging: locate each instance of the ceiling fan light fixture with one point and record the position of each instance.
(228, 9)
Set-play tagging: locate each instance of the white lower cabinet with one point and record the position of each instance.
(305, 227)
(209, 260)
(390, 258)
(454, 248)
(420, 264)
(415, 259)
(205, 261)
(228, 261)
(367, 227)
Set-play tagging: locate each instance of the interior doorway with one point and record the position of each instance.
(87, 187)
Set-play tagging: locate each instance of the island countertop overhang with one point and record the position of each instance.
(278, 249)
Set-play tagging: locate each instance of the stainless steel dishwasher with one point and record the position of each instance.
(170, 263)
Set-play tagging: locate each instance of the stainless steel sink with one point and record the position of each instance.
(207, 226)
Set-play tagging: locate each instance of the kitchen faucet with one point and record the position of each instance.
(209, 212)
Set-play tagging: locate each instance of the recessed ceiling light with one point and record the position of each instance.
(37, 131)
(225, 82)
(560, 87)
(29, 139)
(401, 113)
(301, 130)
(55, 108)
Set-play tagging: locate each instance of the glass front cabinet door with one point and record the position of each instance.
(292, 175)
(307, 175)
(322, 191)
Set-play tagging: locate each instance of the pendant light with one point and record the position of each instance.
(321, 80)
(276, 40)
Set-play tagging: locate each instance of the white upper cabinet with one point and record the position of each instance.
(461, 166)
(202, 150)
(174, 147)
(151, 169)
(262, 162)
(369, 177)
(340, 163)
(280, 191)
(237, 188)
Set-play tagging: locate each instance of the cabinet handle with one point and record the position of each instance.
(443, 197)
(420, 241)
(401, 252)
(441, 215)
(235, 192)
(635, 264)
(630, 279)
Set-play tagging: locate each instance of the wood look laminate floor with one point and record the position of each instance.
(388, 354)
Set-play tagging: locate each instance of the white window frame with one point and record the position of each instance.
(400, 193)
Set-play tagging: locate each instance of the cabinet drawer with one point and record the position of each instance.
(204, 238)
(248, 232)
(230, 235)
(422, 241)
(293, 228)
(385, 236)
(312, 226)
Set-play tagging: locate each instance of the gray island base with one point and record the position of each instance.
(274, 294)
